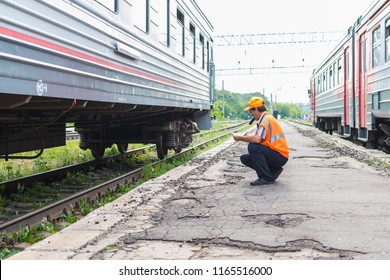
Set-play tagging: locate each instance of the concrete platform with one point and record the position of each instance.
(323, 206)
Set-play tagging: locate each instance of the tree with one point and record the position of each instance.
(287, 110)
(234, 104)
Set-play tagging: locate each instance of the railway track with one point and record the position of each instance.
(56, 209)
(347, 147)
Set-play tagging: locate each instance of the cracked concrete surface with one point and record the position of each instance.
(323, 206)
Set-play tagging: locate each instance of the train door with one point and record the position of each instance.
(346, 89)
(361, 86)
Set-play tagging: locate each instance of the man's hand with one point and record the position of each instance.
(247, 138)
(236, 137)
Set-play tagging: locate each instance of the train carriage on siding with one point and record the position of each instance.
(350, 90)
(123, 71)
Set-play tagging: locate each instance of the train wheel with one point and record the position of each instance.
(122, 147)
(161, 146)
(97, 151)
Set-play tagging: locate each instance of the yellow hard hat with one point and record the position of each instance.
(255, 102)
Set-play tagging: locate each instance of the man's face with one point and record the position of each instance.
(255, 113)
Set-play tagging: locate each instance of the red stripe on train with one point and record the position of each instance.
(39, 42)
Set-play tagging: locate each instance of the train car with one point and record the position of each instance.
(123, 71)
(350, 90)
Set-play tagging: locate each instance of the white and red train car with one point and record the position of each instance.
(123, 71)
(350, 89)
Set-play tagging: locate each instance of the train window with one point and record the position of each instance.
(109, 4)
(387, 35)
(180, 33)
(192, 45)
(141, 14)
(375, 101)
(208, 56)
(376, 47)
(339, 72)
(319, 85)
(324, 80)
(164, 21)
(202, 52)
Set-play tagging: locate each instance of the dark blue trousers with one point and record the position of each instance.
(263, 160)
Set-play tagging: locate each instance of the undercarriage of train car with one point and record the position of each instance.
(167, 134)
(384, 138)
(378, 138)
(329, 123)
(99, 125)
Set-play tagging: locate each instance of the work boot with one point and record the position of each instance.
(277, 173)
(261, 181)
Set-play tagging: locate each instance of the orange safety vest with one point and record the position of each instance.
(274, 138)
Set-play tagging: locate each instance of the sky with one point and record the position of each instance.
(230, 17)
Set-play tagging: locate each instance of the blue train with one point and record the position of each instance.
(123, 71)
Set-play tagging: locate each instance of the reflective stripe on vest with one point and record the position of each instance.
(272, 139)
